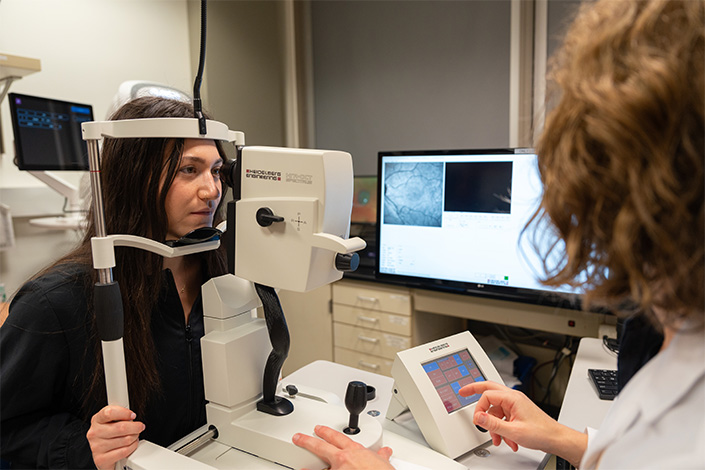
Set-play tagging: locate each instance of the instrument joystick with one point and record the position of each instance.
(355, 402)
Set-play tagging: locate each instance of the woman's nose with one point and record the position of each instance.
(210, 188)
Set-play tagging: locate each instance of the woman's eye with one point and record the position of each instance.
(188, 170)
(216, 171)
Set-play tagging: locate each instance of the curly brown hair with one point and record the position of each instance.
(621, 157)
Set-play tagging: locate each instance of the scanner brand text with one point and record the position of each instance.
(263, 174)
(438, 347)
(299, 178)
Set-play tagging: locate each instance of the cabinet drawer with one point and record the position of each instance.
(372, 319)
(363, 361)
(368, 341)
(378, 298)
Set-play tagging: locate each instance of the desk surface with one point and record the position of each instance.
(405, 436)
(582, 406)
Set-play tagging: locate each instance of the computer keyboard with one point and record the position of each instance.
(563, 464)
(605, 381)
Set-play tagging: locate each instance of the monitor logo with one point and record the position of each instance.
(263, 174)
(438, 347)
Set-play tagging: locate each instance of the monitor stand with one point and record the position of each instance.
(76, 218)
(69, 222)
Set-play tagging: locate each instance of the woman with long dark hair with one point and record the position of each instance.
(52, 387)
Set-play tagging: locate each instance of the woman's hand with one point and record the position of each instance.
(510, 415)
(113, 435)
(341, 452)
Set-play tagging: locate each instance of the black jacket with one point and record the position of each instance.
(47, 360)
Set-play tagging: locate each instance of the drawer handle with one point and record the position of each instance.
(367, 339)
(368, 365)
(367, 299)
(367, 319)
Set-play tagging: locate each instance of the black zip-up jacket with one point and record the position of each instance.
(47, 360)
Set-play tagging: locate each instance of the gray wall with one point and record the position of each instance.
(243, 83)
(560, 14)
(393, 75)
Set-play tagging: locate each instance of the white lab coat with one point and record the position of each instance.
(658, 419)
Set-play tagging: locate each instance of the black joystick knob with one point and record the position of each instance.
(347, 262)
(265, 217)
(355, 402)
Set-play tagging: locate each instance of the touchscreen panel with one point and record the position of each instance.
(449, 374)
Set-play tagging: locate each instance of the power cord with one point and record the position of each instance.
(611, 344)
(566, 351)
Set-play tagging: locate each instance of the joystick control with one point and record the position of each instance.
(355, 402)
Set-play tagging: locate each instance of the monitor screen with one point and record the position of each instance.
(451, 220)
(48, 133)
(364, 209)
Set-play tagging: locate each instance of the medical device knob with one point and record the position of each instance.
(347, 262)
(265, 217)
(355, 402)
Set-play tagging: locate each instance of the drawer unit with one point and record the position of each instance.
(364, 361)
(381, 299)
(368, 341)
(372, 322)
(372, 319)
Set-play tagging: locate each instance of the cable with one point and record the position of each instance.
(512, 344)
(197, 106)
(66, 211)
(565, 352)
(610, 345)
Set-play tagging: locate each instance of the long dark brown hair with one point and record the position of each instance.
(134, 203)
(621, 156)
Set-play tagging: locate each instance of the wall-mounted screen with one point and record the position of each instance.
(48, 133)
(452, 220)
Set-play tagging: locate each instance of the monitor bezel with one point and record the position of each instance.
(508, 293)
(22, 164)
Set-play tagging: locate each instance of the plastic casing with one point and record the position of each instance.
(452, 434)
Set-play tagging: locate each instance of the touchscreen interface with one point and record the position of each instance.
(449, 374)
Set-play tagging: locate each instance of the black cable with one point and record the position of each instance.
(558, 359)
(197, 106)
(611, 344)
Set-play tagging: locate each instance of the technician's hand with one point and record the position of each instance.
(510, 415)
(113, 435)
(341, 452)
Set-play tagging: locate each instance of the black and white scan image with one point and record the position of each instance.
(413, 193)
(480, 187)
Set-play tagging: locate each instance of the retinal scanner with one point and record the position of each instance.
(289, 225)
(287, 228)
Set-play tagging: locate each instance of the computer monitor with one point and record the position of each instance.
(364, 209)
(362, 222)
(452, 220)
(48, 133)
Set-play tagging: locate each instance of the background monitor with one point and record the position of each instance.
(364, 210)
(48, 133)
(362, 223)
(451, 220)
